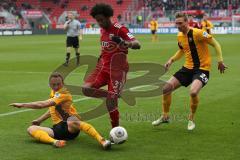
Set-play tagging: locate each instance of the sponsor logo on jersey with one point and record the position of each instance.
(105, 44)
(205, 34)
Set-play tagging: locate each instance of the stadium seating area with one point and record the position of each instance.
(190, 4)
(144, 8)
(54, 8)
(83, 7)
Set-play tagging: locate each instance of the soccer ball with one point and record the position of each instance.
(118, 135)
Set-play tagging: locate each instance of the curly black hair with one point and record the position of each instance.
(103, 9)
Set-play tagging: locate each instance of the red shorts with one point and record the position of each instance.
(101, 76)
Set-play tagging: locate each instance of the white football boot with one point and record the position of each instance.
(191, 125)
(160, 121)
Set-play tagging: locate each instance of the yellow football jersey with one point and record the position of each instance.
(207, 26)
(153, 25)
(63, 108)
(195, 47)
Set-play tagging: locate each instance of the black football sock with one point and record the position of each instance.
(78, 58)
(67, 58)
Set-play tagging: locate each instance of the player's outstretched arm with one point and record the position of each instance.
(221, 66)
(174, 58)
(35, 105)
(42, 118)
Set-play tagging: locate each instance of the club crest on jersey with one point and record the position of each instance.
(205, 34)
(56, 95)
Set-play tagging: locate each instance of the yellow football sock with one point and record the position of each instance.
(193, 105)
(90, 130)
(42, 136)
(166, 102)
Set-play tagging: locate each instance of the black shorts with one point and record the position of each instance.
(72, 42)
(61, 132)
(153, 31)
(186, 76)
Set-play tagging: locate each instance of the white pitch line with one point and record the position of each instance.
(15, 112)
(29, 72)
(82, 99)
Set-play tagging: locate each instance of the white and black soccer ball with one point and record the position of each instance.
(118, 135)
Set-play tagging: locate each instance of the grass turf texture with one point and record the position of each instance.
(26, 62)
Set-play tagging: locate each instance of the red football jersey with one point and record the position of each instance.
(194, 24)
(110, 48)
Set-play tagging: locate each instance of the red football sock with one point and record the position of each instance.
(114, 115)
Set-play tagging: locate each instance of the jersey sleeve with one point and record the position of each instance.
(203, 35)
(179, 43)
(180, 46)
(59, 98)
(125, 34)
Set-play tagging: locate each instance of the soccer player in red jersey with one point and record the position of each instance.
(192, 23)
(112, 66)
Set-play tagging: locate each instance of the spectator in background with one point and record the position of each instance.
(119, 17)
(84, 8)
(56, 1)
(119, 2)
(2, 20)
(139, 19)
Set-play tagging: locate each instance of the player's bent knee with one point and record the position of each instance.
(31, 129)
(73, 121)
(73, 126)
(193, 93)
(167, 88)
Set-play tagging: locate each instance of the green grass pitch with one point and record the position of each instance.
(27, 61)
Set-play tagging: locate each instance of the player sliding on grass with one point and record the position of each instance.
(112, 67)
(67, 123)
(193, 43)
